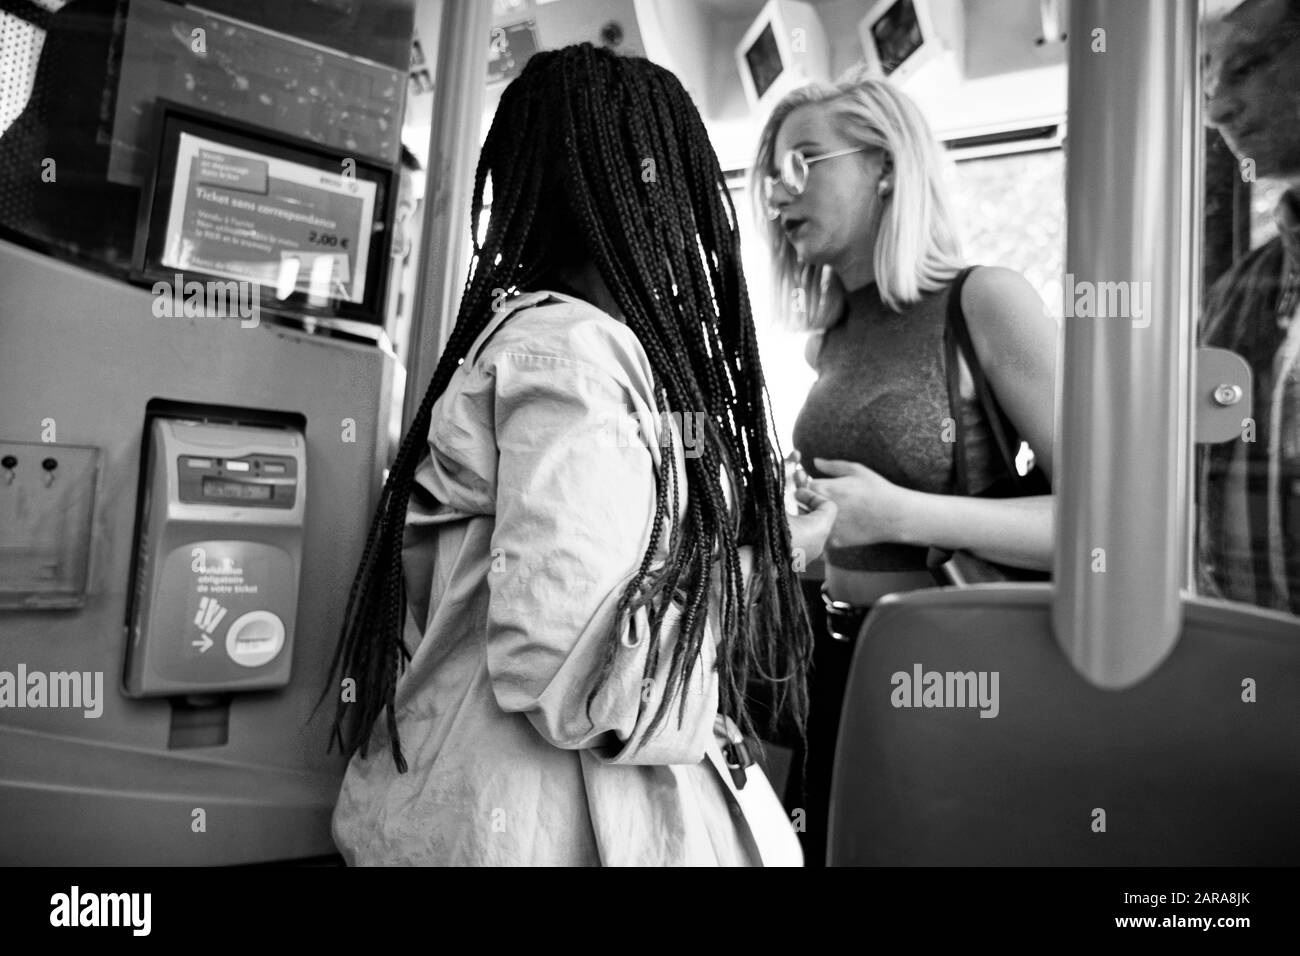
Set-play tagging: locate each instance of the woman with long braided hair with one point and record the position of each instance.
(587, 516)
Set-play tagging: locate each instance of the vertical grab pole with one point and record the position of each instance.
(1130, 307)
(460, 83)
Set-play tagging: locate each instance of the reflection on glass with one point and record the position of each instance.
(1248, 490)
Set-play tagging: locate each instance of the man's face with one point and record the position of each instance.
(1253, 87)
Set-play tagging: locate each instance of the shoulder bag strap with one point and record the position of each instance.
(958, 341)
(953, 371)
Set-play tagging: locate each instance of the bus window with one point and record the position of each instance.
(1011, 210)
(1248, 490)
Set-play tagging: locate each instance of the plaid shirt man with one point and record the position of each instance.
(1249, 490)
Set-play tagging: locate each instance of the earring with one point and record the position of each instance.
(882, 188)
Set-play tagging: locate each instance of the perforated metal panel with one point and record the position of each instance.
(20, 49)
(21, 43)
(53, 153)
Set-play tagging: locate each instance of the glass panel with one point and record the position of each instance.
(1248, 489)
(80, 85)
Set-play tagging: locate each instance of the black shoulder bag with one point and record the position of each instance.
(962, 567)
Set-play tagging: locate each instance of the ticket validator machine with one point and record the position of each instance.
(218, 558)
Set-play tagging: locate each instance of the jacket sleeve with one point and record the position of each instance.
(576, 499)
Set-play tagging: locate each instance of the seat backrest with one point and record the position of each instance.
(1197, 765)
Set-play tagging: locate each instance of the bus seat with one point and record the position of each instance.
(1197, 765)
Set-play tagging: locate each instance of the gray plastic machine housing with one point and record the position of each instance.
(218, 559)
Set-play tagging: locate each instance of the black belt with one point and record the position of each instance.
(843, 620)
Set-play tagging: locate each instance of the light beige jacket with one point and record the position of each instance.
(528, 519)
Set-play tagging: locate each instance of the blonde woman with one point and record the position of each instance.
(866, 258)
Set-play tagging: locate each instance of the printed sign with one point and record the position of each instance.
(240, 215)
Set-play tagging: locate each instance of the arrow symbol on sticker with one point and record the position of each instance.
(202, 643)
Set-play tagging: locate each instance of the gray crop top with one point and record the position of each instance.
(880, 398)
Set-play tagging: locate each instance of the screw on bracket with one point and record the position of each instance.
(1228, 395)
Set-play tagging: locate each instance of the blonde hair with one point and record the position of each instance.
(917, 249)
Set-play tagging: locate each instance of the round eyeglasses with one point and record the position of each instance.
(793, 174)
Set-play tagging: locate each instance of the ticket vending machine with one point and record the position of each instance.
(215, 581)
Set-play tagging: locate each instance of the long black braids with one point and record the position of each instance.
(601, 158)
